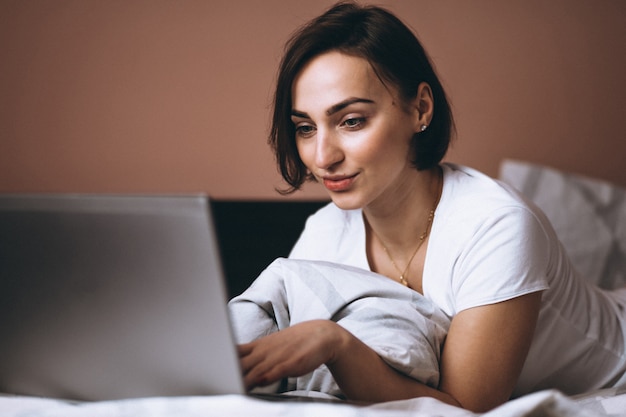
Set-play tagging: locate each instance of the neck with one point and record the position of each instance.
(401, 220)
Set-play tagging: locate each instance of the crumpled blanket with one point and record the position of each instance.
(399, 324)
(545, 403)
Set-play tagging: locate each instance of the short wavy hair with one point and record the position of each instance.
(395, 54)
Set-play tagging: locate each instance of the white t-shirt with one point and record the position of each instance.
(487, 245)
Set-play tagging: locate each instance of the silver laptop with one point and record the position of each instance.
(109, 297)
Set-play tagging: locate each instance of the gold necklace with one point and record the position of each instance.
(423, 236)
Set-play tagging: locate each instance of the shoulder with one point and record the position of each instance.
(492, 244)
(475, 200)
(467, 184)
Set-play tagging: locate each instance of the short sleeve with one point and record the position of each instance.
(508, 255)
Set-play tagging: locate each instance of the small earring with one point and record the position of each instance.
(423, 128)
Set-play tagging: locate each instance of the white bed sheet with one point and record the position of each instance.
(544, 403)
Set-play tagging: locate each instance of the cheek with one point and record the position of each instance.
(368, 152)
(389, 152)
(371, 146)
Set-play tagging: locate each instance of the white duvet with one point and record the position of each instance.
(399, 324)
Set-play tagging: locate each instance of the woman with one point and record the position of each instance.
(359, 109)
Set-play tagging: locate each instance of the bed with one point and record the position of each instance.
(597, 247)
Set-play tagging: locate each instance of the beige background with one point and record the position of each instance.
(173, 96)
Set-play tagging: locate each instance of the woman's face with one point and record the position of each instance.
(353, 132)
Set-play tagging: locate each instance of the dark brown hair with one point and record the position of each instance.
(396, 56)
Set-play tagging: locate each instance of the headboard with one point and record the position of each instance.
(251, 234)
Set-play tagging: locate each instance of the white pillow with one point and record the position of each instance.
(588, 215)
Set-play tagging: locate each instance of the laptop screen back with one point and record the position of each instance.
(108, 297)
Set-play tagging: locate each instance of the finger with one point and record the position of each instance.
(257, 376)
(253, 381)
(256, 361)
(249, 361)
(244, 349)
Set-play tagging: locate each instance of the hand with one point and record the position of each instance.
(291, 352)
(358, 370)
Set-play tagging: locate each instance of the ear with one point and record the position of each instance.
(423, 106)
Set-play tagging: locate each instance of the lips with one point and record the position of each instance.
(339, 183)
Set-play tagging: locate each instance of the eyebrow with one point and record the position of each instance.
(336, 107)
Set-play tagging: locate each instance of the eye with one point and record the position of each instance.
(305, 130)
(354, 122)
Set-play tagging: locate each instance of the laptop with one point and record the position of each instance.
(106, 297)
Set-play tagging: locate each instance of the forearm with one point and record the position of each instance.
(362, 375)
(358, 370)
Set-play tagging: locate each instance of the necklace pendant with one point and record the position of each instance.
(403, 281)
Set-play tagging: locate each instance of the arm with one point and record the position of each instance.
(357, 369)
(481, 361)
(485, 351)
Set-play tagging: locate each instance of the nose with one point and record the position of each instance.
(328, 151)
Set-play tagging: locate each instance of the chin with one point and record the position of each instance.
(345, 201)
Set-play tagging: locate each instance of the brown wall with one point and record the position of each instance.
(173, 96)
